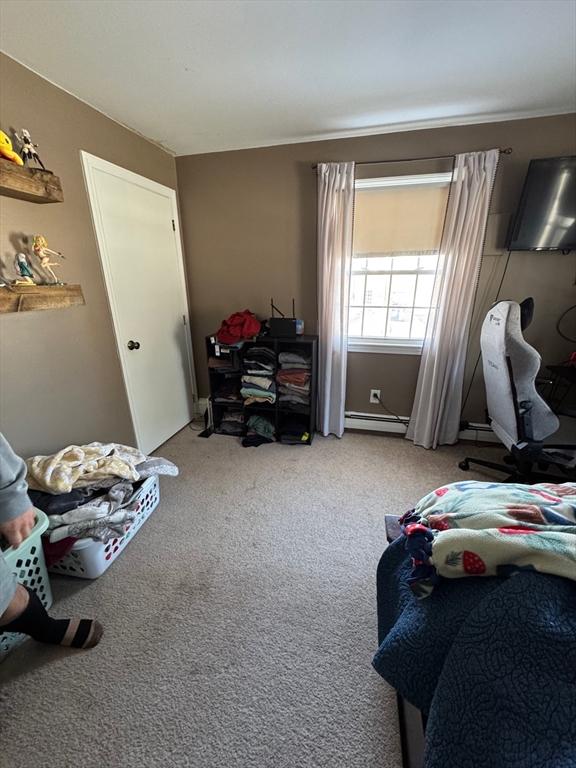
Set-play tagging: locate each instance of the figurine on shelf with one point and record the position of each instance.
(24, 270)
(43, 254)
(7, 150)
(28, 149)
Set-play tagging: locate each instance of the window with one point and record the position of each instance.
(397, 229)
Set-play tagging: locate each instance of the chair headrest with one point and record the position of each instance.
(526, 312)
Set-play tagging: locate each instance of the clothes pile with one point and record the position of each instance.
(231, 423)
(258, 386)
(239, 326)
(88, 491)
(293, 380)
(260, 431)
(294, 430)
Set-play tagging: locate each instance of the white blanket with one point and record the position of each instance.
(82, 466)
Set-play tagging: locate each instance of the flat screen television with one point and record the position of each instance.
(546, 215)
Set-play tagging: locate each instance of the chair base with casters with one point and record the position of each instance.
(528, 471)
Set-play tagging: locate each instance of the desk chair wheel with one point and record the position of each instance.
(464, 465)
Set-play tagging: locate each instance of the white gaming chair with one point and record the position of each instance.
(518, 415)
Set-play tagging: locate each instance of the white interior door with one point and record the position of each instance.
(138, 233)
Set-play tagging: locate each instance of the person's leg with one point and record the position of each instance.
(22, 611)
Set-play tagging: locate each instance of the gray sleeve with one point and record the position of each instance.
(13, 486)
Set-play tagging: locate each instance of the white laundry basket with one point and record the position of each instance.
(28, 565)
(89, 559)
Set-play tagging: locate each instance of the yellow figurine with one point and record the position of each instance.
(43, 253)
(7, 151)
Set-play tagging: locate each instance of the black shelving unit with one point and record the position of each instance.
(281, 412)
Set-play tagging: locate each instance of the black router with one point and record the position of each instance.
(282, 327)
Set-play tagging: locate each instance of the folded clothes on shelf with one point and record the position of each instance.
(256, 401)
(295, 389)
(231, 423)
(260, 431)
(290, 360)
(265, 398)
(262, 382)
(293, 379)
(259, 360)
(255, 393)
(297, 376)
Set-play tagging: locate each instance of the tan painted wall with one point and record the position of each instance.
(249, 220)
(61, 380)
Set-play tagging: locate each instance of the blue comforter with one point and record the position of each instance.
(490, 661)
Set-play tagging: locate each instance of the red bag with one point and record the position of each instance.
(239, 326)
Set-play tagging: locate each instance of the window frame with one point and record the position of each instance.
(389, 344)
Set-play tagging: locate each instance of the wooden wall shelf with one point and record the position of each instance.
(30, 184)
(27, 298)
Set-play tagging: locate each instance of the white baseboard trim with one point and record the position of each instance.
(376, 423)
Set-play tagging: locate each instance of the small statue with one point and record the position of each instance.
(24, 270)
(7, 150)
(28, 150)
(43, 253)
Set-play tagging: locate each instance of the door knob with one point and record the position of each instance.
(133, 344)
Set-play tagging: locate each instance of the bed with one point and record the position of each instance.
(486, 666)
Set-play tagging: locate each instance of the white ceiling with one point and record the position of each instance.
(209, 75)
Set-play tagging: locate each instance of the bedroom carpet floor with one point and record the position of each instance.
(239, 623)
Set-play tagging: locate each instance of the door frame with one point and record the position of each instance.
(90, 163)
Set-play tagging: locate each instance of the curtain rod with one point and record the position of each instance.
(505, 151)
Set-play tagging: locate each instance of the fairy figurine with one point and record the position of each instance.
(28, 149)
(43, 254)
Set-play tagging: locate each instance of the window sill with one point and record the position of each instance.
(387, 347)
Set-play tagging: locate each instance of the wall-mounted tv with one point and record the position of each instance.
(546, 215)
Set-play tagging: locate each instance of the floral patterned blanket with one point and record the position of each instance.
(491, 529)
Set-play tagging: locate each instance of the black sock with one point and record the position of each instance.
(35, 621)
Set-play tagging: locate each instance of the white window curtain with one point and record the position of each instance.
(435, 418)
(335, 219)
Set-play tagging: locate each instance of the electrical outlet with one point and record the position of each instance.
(375, 396)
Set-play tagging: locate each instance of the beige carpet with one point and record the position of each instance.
(240, 622)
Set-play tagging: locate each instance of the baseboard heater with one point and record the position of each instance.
(375, 422)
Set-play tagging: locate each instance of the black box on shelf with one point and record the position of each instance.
(282, 327)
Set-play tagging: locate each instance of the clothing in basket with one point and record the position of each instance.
(98, 504)
(96, 465)
(103, 518)
(88, 559)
